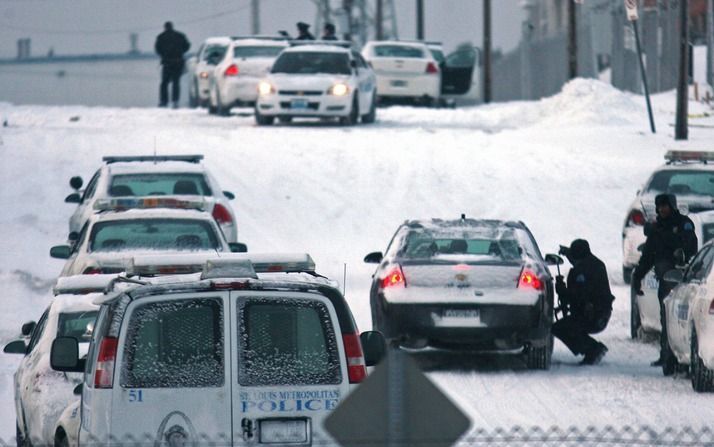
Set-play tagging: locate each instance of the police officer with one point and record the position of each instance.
(671, 241)
(304, 32)
(587, 295)
(328, 32)
(171, 46)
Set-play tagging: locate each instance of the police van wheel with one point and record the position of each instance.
(702, 377)
(539, 357)
(635, 322)
(20, 438)
(627, 274)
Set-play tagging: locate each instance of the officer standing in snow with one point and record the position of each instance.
(304, 32)
(171, 46)
(328, 32)
(671, 241)
(588, 296)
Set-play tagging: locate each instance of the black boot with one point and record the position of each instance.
(595, 355)
(658, 362)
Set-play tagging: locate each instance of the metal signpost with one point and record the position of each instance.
(632, 16)
(397, 406)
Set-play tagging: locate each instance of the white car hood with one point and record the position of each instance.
(283, 81)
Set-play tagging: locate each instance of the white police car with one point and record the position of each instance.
(225, 356)
(139, 176)
(200, 69)
(318, 80)
(124, 228)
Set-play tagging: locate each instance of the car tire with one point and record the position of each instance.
(263, 120)
(61, 439)
(381, 323)
(670, 365)
(351, 119)
(20, 438)
(221, 110)
(702, 377)
(539, 357)
(371, 116)
(635, 319)
(627, 274)
(193, 101)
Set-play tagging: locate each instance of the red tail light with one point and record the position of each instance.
(431, 68)
(394, 278)
(92, 271)
(356, 368)
(636, 218)
(221, 214)
(232, 70)
(104, 373)
(529, 279)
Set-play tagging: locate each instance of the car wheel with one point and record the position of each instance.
(635, 321)
(61, 439)
(193, 101)
(20, 438)
(352, 118)
(702, 377)
(221, 110)
(371, 116)
(381, 323)
(263, 120)
(538, 357)
(670, 365)
(627, 274)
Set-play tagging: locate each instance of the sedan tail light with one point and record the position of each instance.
(528, 279)
(221, 214)
(232, 70)
(636, 218)
(104, 373)
(395, 278)
(356, 367)
(431, 68)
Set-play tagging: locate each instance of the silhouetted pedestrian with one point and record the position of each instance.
(171, 46)
(304, 32)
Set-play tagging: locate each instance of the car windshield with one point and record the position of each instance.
(398, 51)
(244, 52)
(153, 234)
(312, 62)
(488, 243)
(684, 182)
(214, 52)
(158, 185)
(77, 324)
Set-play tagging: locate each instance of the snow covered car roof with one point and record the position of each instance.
(397, 42)
(312, 48)
(161, 167)
(218, 40)
(75, 303)
(268, 42)
(82, 284)
(152, 213)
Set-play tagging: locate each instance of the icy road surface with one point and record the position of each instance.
(567, 166)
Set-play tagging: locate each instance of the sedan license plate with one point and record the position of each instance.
(458, 318)
(298, 104)
(651, 282)
(283, 431)
(398, 83)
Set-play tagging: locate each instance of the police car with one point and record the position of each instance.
(200, 69)
(688, 175)
(123, 228)
(689, 312)
(318, 80)
(242, 353)
(234, 79)
(138, 176)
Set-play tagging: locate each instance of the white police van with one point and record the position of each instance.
(224, 356)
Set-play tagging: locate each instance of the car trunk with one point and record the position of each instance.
(460, 275)
(254, 66)
(394, 66)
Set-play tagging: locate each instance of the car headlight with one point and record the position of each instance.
(338, 90)
(265, 88)
(203, 75)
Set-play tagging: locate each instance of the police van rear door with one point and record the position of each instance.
(289, 365)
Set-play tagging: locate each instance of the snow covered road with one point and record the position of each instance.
(567, 166)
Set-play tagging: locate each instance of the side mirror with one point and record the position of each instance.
(673, 277)
(374, 347)
(15, 347)
(73, 198)
(374, 258)
(229, 195)
(28, 327)
(552, 259)
(73, 236)
(60, 251)
(238, 247)
(64, 355)
(76, 182)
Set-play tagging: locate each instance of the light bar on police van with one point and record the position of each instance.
(82, 284)
(127, 203)
(233, 265)
(155, 158)
(166, 264)
(673, 156)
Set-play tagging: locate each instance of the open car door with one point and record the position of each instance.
(457, 71)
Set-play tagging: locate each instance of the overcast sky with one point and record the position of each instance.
(101, 26)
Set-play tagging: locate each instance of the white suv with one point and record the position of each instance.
(226, 356)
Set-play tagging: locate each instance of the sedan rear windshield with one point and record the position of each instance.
(699, 183)
(257, 51)
(496, 244)
(398, 51)
(159, 185)
(312, 62)
(77, 324)
(153, 234)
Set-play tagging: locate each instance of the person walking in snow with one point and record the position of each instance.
(304, 32)
(588, 296)
(171, 46)
(671, 241)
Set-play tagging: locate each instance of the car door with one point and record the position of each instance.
(457, 71)
(366, 82)
(85, 207)
(174, 379)
(289, 368)
(25, 380)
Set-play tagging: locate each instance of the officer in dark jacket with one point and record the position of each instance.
(171, 46)
(589, 299)
(328, 32)
(671, 241)
(304, 32)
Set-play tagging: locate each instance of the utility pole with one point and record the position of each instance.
(420, 19)
(379, 25)
(681, 129)
(572, 41)
(710, 43)
(255, 16)
(487, 51)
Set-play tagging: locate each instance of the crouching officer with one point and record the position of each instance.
(671, 241)
(587, 295)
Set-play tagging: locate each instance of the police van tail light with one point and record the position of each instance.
(356, 367)
(395, 278)
(232, 70)
(221, 214)
(104, 373)
(636, 218)
(431, 68)
(528, 279)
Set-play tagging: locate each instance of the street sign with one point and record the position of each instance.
(397, 406)
(631, 8)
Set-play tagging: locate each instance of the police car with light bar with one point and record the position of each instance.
(139, 176)
(316, 79)
(125, 227)
(241, 353)
(689, 175)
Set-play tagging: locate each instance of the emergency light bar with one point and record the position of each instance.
(121, 204)
(684, 156)
(82, 284)
(261, 37)
(155, 158)
(334, 43)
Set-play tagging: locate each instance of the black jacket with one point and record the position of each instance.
(588, 284)
(171, 46)
(664, 237)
